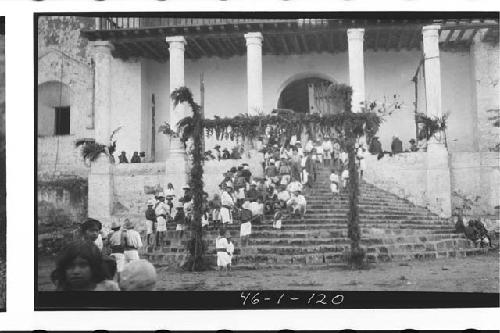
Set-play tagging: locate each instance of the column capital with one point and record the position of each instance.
(431, 30)
(102, 46)
(355, 33)
(254, 38)
(176, 42)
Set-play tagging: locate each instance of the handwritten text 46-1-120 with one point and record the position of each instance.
(254, 298)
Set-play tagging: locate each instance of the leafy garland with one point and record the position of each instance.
(286, 123)
(431, 125)
(347, 124)
(183, 95)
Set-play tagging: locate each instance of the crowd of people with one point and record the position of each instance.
(110, 263)
(289, 172)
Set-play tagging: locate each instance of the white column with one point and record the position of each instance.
(176, 50)
(438, 172)
(101, 53)
(101, 185)
(356, 67)
(176, 163)
(254, 72)
(432, 67)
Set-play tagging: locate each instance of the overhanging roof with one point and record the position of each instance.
(287, 36)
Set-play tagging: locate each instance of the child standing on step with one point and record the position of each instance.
(221, 244)
(334, 184)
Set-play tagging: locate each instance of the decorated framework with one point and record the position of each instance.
(348, 126)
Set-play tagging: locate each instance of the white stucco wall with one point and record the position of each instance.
(387, 74)
(126, 106)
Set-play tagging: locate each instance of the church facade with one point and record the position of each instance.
(119, 72)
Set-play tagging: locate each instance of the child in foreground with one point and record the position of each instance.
(80, 267)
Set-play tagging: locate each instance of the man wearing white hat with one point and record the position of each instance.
(117, 249)
(227, 204)
(161, 212)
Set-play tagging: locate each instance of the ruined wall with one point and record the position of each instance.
(63, 61)
(485, 59)
(61, 203)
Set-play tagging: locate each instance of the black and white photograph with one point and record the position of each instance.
(309, 154)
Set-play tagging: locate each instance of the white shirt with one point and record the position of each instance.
(334, 178)
(343, 156)
(226, 199)
(327, 145)
(98, 242)
(345, 174)
(221, 243)
(309, 146)
(257, 208)
(133, 239)
(283, 196)
(230, 248)
(161, 209)
(115, 239)
(295, 186)
(301, 200)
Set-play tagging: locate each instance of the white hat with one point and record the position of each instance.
(161, 194)
(128, 224)
(115, 224)
(151, 202)
(246, 167)
(138, 275)
(271, 160)
(186, 187)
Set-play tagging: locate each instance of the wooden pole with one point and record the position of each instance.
(202, 109)
(153, 132)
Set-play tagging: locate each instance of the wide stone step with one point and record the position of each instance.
(305, 246)
(297, 241)
(329, 258)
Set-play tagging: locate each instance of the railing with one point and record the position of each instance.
(113, 23)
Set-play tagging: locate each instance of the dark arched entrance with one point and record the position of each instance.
(308, 95)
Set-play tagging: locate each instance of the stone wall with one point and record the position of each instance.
(485, 59)
(133, 184)
(403, 175)
(476, 177)
(57, 155)
(61, 203)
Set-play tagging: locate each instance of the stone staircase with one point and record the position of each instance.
(393, 229)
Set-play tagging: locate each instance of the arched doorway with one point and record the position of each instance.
(308, 95)
(53, 109)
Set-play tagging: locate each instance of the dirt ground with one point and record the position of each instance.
(471, 274)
